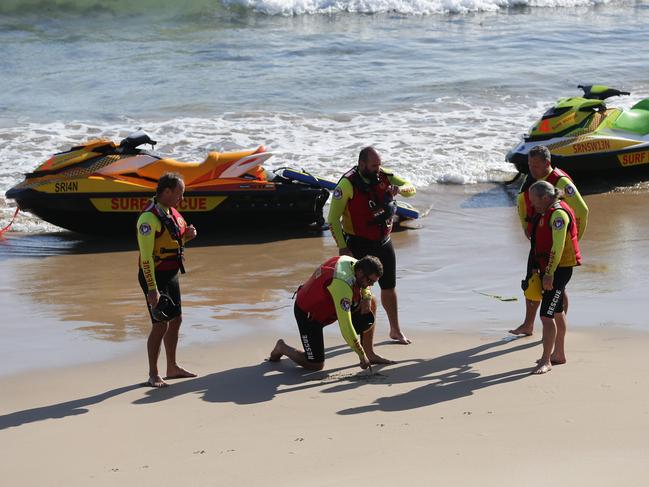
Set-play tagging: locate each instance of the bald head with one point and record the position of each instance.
(369, 162)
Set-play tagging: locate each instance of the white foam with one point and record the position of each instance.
(280, 7)
(406, 7)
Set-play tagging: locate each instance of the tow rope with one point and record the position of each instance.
(10, 223)
(496, 296)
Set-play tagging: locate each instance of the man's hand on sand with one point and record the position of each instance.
(365, 364)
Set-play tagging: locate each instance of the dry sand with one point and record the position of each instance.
(459, 407)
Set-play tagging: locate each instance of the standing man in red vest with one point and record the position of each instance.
(540, 169)
(161, 235)
(555, 251)
(364, 201)
(339, 289)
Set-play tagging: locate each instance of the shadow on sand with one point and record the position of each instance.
(61, 410)
(444, 378)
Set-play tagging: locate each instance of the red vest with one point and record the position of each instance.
(167, 251)
(543, 235)
(314, 299)
(367, 206)
(552, 178)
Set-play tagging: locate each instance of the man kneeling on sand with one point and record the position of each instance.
(339, 289)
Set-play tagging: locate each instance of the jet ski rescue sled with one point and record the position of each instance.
(586, 137)
(101, 187)
(404, 210)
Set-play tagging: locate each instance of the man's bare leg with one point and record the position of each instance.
(153, 343)
(558, 356)
(174, 371)
(389, 302)
(527, 328)
(549, 336)
(297, 356)
(565, 302)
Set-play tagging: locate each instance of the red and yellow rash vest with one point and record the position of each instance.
(555, 239)
(330, 294)
(159, 250)
(360, 205)
(559, 179)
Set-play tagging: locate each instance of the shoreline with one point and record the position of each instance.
(457, 271)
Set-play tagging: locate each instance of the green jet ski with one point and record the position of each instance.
(586, 137)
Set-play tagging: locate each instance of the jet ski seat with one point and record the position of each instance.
(636, 119)
(642, 105)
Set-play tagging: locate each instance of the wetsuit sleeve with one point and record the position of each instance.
(341, 195)
(406, 188)
(341, 292)
(559, 223)
(576, 202)
(521, 206)
(147, 226)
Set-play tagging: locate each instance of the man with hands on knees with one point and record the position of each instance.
(339, 289)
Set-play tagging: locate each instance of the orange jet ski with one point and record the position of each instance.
(101, 187)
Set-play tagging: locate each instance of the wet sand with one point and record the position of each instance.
(460, 395)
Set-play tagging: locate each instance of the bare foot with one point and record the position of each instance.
(522, 330)
(156, 381)
(554, 361)
(377, 359)
(276, 353)
(558, 360)
(542, 368)
(400, 338)
(178, 372)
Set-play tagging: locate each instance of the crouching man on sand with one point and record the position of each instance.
(339, 289)
(554, 251)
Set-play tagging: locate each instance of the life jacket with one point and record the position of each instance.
(313, 297)
(370, 210)
(168, 250)
(552, 178)
(542, 236)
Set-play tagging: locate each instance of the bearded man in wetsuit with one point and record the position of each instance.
(339, 289)
(360, 219)
(555, 251)
(540, 169)
(161, 235)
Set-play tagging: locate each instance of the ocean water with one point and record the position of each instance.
(442, 88)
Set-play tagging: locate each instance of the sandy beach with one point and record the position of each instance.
(459, 406)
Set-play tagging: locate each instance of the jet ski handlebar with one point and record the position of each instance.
(600, 92)
(136, 139)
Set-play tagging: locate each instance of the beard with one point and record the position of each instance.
(373, 177)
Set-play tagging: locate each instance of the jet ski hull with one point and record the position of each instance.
(286, 206)
(602, 163)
